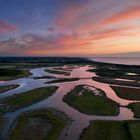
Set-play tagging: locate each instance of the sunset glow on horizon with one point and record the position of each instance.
(69, 27)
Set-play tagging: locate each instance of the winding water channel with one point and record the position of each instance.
(80, 120)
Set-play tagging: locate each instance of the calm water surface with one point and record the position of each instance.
(118, 60)
(80, 120)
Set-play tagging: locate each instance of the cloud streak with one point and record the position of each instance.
(7, 27)
(128, 14)
(75, 27)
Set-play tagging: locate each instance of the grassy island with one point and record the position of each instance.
(43, 124)
(128, 93)
(90, 100)
(15, 102)
(13, 73)
(135, 107)
(7, 87)
(61, 80)
(112, 130)
(57, 72)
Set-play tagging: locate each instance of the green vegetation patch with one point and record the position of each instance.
(6, 88)
(134, 129)
(61, 80)
(105, 71)
(135, 107)
(117, 82)
(44, 77)
(116, 71)
(39, 125)
(112, 130)
(127, 92)
(68, 69)
(90, 100)
(2, 120)
(57, 72)
(12, 73)
(15, 102)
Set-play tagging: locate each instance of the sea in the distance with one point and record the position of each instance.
(118, 60)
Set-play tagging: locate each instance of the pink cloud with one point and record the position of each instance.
(130, 13)
(71, 14)
(7, 27)
(110, 33)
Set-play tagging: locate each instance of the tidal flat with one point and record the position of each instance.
(43, 124)
(91, 96)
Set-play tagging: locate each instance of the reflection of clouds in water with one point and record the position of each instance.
(124, 79)
(2, 82)
(80, 120)
(22, 85)
(38, 72)
(131, 74)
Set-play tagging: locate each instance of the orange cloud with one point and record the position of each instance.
(73, 44)
(111, 33)
(130, 13)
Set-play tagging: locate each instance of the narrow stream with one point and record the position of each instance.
(80, 120)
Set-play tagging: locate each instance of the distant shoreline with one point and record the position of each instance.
(127, 61)
(72, 60)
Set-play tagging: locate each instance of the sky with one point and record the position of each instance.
(69, 27)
